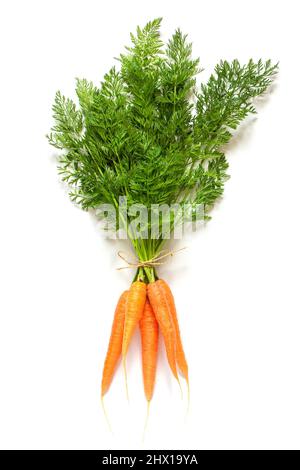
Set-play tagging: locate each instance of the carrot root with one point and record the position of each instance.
(134, 308)
(180, 355)
(162, 313)
(115, 344)
(149, 340)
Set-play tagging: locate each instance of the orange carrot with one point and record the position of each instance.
(133, 313)
(115, 344)
(180, 356)
(149, 336)
(159, 303)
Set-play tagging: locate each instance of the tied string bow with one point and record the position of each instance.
(149, 263)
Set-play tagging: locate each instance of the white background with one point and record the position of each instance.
(236, 286)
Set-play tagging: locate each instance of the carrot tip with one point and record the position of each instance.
(106, 416)
(188, 406)
(187, 412)
(125, 376)
(180, 387)
(146, 421)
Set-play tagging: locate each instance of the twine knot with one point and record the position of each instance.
(149, 263)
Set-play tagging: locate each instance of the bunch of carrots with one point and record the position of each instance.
(150, 307)
(149, 135)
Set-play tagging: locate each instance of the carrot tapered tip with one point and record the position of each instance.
(125, 377)
(146, 420)
(106, 416)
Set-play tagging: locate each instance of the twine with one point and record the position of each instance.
(149, 263)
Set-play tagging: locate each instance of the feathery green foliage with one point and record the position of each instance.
(148, 134)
